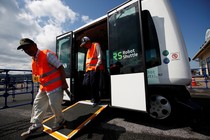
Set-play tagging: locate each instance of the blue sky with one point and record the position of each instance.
(194, 19)
(43, 20)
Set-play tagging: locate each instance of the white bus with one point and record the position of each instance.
(147, 65)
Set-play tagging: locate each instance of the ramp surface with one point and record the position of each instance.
(77, 116)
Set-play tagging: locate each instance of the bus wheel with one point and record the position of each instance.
(160, 107)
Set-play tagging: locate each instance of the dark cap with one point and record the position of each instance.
(84, 40)
(25, 42)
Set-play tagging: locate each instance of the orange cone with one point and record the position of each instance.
(193, 83)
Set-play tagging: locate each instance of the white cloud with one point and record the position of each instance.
(86, 19)
(47, 37)
(40, 20)
(53, 10)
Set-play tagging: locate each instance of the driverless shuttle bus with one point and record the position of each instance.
(147, 65)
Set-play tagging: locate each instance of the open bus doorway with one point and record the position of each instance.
(96, 33)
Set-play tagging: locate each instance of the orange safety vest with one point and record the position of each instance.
(48, 76)
(92, 58)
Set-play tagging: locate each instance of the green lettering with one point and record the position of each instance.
(115, 56)
(120, 55)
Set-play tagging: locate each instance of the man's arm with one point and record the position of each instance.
(63, 77)
(99, 55)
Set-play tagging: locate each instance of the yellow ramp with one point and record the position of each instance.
(77, 116)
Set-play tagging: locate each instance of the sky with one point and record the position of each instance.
(43, 20)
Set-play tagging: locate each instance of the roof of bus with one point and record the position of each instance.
(91, 23)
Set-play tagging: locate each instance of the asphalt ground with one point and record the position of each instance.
(118, 124)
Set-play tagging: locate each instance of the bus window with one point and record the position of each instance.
(81, 60)
(124, 41)
(151, 43)
(63, 52)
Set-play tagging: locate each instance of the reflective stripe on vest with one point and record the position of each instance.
(49, 76)
(52, 81)
(48, 73)
(91, 62)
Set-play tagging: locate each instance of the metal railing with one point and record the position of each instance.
(16, 88)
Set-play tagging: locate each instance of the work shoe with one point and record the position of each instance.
(92, 101)
(33, 130)
(58, 125)
(96, 103)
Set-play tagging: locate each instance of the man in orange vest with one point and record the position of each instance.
(93, 67)
(48, 71)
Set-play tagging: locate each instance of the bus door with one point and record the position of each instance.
(126, 57)
(64, 52)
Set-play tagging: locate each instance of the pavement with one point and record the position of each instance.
(199, 92)
(116, 124)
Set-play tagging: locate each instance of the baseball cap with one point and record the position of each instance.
(84, 40)
(25, 42)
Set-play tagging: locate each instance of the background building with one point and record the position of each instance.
(203, 55)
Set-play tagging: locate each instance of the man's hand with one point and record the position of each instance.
(97, 69)
(64, 85)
